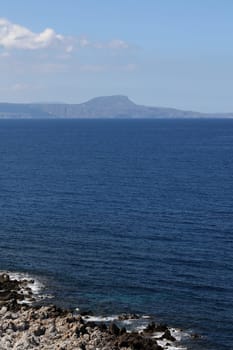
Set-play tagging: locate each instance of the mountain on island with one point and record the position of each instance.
(107, 107)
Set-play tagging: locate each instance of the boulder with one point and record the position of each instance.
(86, 313)
(80, 330)
(153, 328)
(39, 331)
(135, 341)
(167, 335)
(102, 327)
(4, 277)
(91, 324)
(114, 329)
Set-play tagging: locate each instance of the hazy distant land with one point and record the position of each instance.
(108, 107)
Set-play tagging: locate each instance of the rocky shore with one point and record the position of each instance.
(25, 324)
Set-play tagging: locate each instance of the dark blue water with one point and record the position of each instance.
(124, 216)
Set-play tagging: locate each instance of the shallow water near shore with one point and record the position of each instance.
(124, 216)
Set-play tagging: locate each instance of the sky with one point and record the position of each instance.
(171, 53)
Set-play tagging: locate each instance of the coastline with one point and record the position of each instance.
(28, 323)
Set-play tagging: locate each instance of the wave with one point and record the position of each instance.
(139, 324)
(32, 282)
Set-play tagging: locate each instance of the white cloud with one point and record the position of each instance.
(113, 44)
(118, 44)
(84, 42)
(14, 36)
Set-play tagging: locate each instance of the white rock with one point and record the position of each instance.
(3, 310)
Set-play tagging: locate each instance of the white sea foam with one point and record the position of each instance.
(100, 318)
(178, 334)
(127, 322)
(166, 345)
(140, 325)
(169, 345)
(157, 335)
(33, 283)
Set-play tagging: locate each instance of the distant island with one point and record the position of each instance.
(107, 107)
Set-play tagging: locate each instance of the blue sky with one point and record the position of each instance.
(176, 53)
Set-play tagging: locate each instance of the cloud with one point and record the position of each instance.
(115, 44)
(118, 44)
(14, 36)
(84, 42)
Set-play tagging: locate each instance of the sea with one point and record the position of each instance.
(124, 216)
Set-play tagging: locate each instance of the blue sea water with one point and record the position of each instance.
(124, 215)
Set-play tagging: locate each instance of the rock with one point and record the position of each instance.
(71, 319)
(13, 305)
(91, 324)
(3, 310)
(86, 337)
(80, 320)
(150, 328)
(39, 331)
(102, 327)
(81, 330)
(7, 295)
(153, 328)
(135, 341)
(7, 344)
(122, 330)
(167, 335)
(48, 327)
(86, 313)
(124, 317)
(33, 341)
(195, 336)
(4, 278)
(52, 329)
(23, 326)
(12, 326)
(113, 329)
(82, 347)
(14, 315)
(161, 327)
(55, 311)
